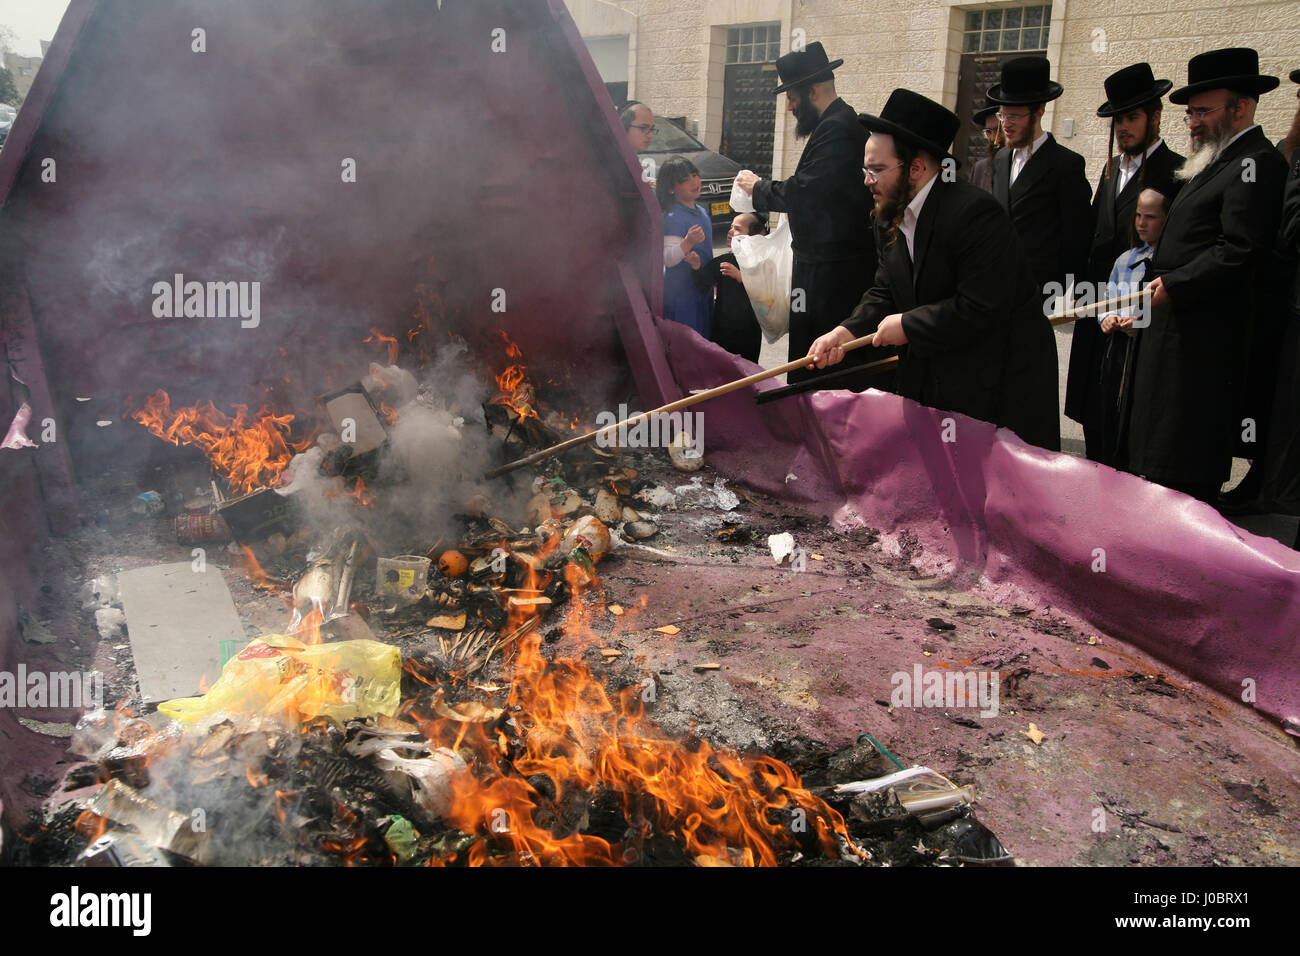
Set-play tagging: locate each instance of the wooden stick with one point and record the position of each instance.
(1084, 311)
(671, 407)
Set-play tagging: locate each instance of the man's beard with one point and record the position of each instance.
(890, 211)
(1136, 148)
(806, 118)
(1023, 139)
(1204, 154)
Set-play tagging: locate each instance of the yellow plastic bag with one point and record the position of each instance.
(282, 678)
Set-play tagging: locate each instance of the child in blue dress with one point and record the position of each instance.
(688, 245)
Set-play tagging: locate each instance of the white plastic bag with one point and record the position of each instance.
(766, 265)
(741, 201)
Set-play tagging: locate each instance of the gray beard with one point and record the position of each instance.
(1203, 156)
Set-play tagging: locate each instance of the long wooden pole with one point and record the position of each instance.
(670, 407)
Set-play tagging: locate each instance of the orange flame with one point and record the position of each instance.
(91, 824)
(250, 452)
(384, 340)
(254, 572)
(516, 391)
(722, 807)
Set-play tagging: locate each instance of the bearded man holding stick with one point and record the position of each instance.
(953, 285)
(1216, 248)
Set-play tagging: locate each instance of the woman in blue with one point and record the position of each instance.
(688, 244)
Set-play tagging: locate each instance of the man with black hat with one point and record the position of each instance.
(827, 202)
(1144, 162)
(1214, 256)
(990, 126)
(1039, 182)
(953, 286)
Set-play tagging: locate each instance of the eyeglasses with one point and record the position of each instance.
(1199, 113)
(645, 129)
(873, 175)
(989, 133)
(1014, 117)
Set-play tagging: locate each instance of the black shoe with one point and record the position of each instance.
(1243, 499)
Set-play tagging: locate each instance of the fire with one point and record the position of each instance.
(249, 451)
(384, 340)
(254, 571)
(516, 391)
(91, 824)
(722, 808)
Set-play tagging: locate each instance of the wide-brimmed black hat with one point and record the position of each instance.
(915, 120)
(983, 113)
(1236, 69)
(1025, 80)
(1295, 76)
(1130, 88)
(808, 65)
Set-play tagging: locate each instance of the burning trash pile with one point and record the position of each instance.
(417, 709)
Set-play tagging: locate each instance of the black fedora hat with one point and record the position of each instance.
(1025, 80)
(983, 113)
(808, 65)
(1131, 87)
(1236, 69)
(915, 120)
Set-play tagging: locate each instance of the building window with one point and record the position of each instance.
(1003, 31)
(757, 44)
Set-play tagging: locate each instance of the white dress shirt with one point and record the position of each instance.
(1129, 165)
(912, 213)
(1021, 154)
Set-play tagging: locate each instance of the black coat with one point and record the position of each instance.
(1048, 204)
(1216, 246)
(829, 207)
(1112, 234)
(978, 342)
(1281, 492)
(827, 199)
(735, 327)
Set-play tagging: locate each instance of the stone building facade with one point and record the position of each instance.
(682, 57)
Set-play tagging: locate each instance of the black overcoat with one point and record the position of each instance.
(978, 340)
(1281, 491)
(1216, 248)
(829, 207)
(1049, 205)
